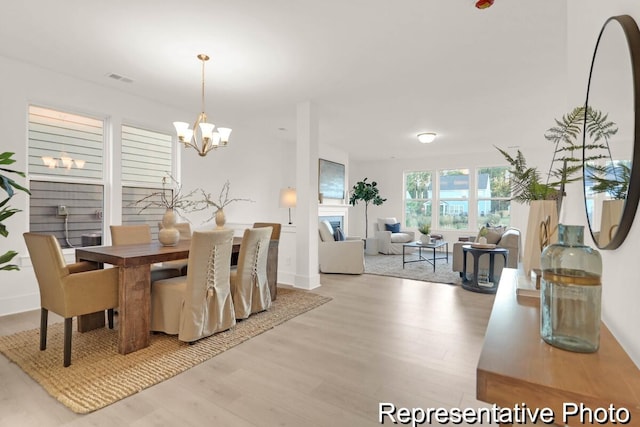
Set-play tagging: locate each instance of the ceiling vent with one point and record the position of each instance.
(123, 79)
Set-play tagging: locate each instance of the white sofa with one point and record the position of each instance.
(344, 256)
(391, 243)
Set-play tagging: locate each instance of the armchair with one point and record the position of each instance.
(339, 256)
(390, 242)
(509, 239)
(69, 290)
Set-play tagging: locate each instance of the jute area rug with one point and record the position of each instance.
(391, 265)
(99, 375)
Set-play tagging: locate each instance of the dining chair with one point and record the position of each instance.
(139, 234)
(272, 257)
(69, 290)
(249, 282)
(199, 304)
(185, 235)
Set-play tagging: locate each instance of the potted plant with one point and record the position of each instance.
(9, 186)
(482, 235)
(424, 230)
(366, 192)
(545, 197)
(526, 182)
(174, 201)
(219, 204)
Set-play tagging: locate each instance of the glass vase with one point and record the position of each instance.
(570, 292)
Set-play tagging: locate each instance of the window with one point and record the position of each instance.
(453, 195)
(146, 160)
(459, 208)
(493, 194)
(66, 175)
(418, 198)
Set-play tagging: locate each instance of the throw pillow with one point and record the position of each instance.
(394, 228)
(338, 235)
(383, 221)
(494, 234)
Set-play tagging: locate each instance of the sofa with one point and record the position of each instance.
(389, 236)
(502, 237)
(337, 255)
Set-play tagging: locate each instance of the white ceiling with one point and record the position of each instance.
(379, 71)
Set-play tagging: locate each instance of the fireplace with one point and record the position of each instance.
(334, 220)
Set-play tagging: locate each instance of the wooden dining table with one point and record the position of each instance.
(134, 299)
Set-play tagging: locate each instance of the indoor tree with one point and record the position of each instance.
(9, 186)
(366, 192)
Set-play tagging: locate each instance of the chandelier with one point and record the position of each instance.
(202, 136)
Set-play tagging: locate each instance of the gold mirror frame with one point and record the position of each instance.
(632, 35)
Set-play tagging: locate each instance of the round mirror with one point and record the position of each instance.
(611, 157)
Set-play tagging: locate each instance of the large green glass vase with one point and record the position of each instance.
(571, 292)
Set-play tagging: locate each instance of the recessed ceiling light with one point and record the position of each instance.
(426, 137)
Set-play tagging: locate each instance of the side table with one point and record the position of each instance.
(472, 284)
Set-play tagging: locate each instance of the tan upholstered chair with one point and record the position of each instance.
(138, 234)
(69, 290)
(342, 256)
(249, 282)
(272, 257)
(199, 304)
(185, 235)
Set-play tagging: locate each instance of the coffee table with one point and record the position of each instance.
(433, 246)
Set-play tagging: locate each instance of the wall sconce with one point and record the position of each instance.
(288, 199)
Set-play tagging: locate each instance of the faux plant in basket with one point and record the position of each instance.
(366, 192)
(8, 185)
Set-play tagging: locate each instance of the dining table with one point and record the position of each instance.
(134, 291)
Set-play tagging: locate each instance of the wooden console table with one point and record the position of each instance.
(516, 366)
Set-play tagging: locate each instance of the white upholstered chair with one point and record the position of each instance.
(339, 256)
(249, 282)
(390, 242)
(199, 304)
(138, 234)
(69, 289)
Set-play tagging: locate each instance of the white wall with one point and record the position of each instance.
(256, 166)
(620, 279)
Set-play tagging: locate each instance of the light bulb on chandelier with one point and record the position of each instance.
(204, 136)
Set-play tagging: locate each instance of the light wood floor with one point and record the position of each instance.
(380, 339)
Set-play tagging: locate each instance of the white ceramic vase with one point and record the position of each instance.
(220, 218)
(425, 238)
(169, 234)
